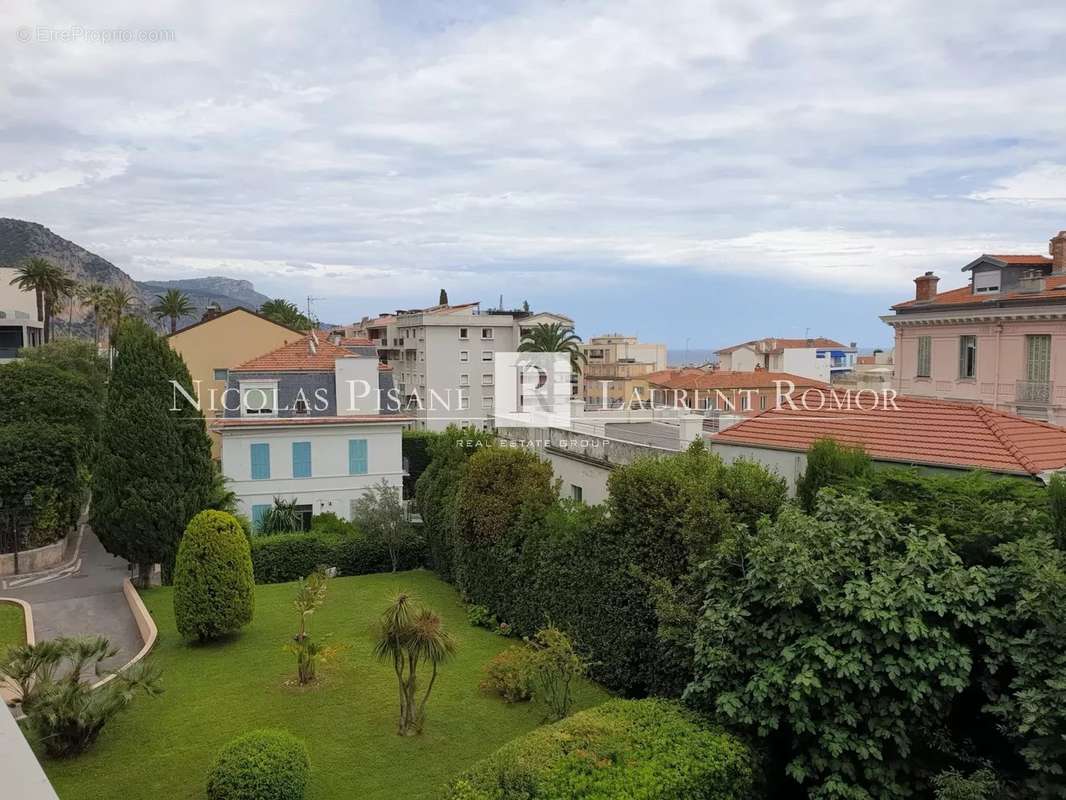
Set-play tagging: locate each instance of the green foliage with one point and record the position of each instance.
(330, 523)
(42, 458)
(416, 444)
(555, 338)
(213, 586)
(285, 313)
(154, 471)
(281, 517)
(498, 485)
(829, 464)
(510, 674)
(260, 765)
(62, 712)
(555, 664)
(840, 639)
(75, 356)
(282, 557)
(622, 750)
(1056, 490)
(981, 785)
(37, 391)
(310, 596)
(379, 514)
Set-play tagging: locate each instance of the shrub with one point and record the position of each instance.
(623, 750)
(829, 464)
(981, 785)
(1057, 496)
(330, 523)
(36, 457)
(213, 583)
(555, 665)
(260, 765)
(497, 486)
(510, 674)
(379, 515)
(283, 557)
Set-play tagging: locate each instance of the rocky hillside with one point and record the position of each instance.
(20, 239)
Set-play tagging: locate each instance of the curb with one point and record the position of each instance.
(27, 618)
(145, 625)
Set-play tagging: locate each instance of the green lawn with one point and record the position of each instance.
(12, 626)
(161, 748)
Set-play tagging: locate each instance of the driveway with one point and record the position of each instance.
(81, 598)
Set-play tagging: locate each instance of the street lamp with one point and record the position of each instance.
(27, 502)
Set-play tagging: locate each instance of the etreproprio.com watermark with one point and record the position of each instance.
(71, 34)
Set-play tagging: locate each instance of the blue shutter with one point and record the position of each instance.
(260, 462)
(258, 512)
(357, 462)
(301, 459)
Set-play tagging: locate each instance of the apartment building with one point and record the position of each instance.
(312, 423)
(820, 359)
(443, 358)
(999, 340)
(20, 326)
(616, 367)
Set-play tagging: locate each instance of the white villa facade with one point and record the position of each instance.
(19, 324)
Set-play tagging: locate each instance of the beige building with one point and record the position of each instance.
(220, 342)
(615, 368)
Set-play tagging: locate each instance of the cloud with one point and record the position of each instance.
(1041, 184)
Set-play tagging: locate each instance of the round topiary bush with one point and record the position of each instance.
(260, 765)
(213, 583)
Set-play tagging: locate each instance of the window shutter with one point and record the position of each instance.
(357, 459)
(301, 459)
(260, 462)
(1038, 358)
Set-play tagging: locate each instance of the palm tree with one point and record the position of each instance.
(285, 313)
(45, 279)
(117, 302)
(71, 291)
(94, 296)
(554, 338)
(409, 636)
(174, 304)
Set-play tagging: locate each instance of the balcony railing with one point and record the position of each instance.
(1033, 392)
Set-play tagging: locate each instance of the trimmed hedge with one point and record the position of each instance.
(36, 456)
(283, 557)
(260, 765)
(647, 749)
(213, 587)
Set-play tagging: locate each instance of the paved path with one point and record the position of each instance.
(82, 598)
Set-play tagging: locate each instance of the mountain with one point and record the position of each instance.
(20, 240)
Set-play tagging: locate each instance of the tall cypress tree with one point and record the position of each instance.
(154, 471)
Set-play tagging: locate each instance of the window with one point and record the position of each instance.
(221, 374)
(925, 357)
(305, 513)
(486, 333)
(464, 403)
(421, 355)
(301, 459)
(464, 380)
(486, 403)
(486, 379)
(300, 406)
(260, 462)
(259, 398)
(464, 333)
(986, 281)
(357, 457)
(1038, 358)
(762, 402)
(258, 512)
(464, 355)
(967, 356)
(486, 355)
(745, 400)
(576, 492)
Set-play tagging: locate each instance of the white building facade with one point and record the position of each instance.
(19, 324)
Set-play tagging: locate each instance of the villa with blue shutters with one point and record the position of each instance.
(312, 422)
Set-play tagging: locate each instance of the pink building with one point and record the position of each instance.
(999, 340)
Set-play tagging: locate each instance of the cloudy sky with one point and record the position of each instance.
(704, 171)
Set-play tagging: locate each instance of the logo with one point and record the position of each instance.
(532, 390)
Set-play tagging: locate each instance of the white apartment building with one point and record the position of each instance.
(443, 359)
(19, 324)
(820, 359)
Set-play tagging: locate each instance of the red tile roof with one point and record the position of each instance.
(354, 341)
(251, 422)
(919, 431)
(1017, 259)
(866, 360)
(788, 344)
(1054, 289)
(298, 356)
(725, 379)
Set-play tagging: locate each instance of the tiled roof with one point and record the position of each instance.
(355, 341)
(1020, 259)
(788, 344)
(918, 431)
(250, 422)
(725, 379)
(298, 356)
(1054, 289)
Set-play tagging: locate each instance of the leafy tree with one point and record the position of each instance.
(840, 640)
(380, 515)
(47, 281)
(213, 584)
(408, 637)
(499, 484)
(173, 304)
(285, 313)
(72, 355)
(62, 712)
(154, 471)
(555, 338)
(829, 464)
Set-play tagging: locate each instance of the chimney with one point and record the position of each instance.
(925, 287)
(213, 310)
(1057, 248)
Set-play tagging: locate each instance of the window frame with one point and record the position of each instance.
(923, 367)
(967, 345)
(358, 463)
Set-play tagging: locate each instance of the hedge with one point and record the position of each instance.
(623, 749)
(282, 557)
(260, 765)
(36, 456)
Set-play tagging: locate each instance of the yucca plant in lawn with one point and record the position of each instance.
(173, 304)
(408, 637)
(554, 338)
(309, 654)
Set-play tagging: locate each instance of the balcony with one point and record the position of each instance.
(1033, 392)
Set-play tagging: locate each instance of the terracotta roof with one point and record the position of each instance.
(866, 360)
(355, 341)
(1019, 259)
(1054, 289)
(250, 422)
(918, 431)
(297, 357)
(226, 314)
(788, 344)
(726, 379)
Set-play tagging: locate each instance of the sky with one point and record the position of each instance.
(702, 172)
